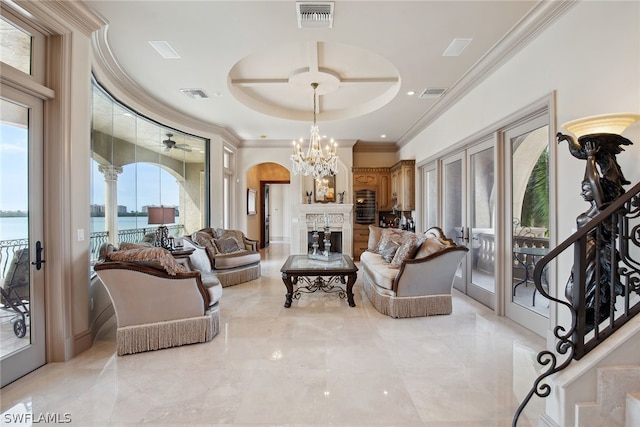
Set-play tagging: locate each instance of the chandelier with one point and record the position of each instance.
(315, 162)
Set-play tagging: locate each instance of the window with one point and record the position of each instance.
(227, 162)
(138, 163)
(15, 47)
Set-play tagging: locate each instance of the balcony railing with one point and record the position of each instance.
(9, 247)
(606, 287)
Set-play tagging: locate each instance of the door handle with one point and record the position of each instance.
(39, 261)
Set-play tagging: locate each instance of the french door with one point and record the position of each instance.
(469, 217)
(528, 154)
(22, 325)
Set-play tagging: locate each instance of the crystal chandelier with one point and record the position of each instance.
(315, 162)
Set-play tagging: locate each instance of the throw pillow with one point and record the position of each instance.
(431, 245)
(227, 246)
(151, 255)
(390, 234)
(389, 250)
(204, 239)
(126, 245)
(375, 233)
(407, 249)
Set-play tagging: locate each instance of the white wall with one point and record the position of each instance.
(590, 57)
(280, 220)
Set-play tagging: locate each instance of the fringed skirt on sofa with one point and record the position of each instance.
(400, 307)
(174, 333)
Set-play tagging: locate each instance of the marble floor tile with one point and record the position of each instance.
(317, 363)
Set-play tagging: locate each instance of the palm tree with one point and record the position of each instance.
(535, 206)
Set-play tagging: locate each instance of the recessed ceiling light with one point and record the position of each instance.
(164, 49)
(383, 136)
(411, 92)
(456, 47)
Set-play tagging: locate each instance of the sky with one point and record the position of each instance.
(14, 182)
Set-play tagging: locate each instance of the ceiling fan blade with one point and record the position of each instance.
(183, 148)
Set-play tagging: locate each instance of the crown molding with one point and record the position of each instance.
(529, 27)
(111, 75)
(375, 147)
(286, 143)
(56, 15)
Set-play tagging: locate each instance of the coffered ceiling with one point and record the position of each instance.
(256, 66)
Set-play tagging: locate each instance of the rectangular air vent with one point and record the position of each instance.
(314, 14)
(195, 93)
(432, 92)
(164, 49)
(456, 47)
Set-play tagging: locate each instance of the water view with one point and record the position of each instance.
(16, 227)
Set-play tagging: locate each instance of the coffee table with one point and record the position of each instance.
(311, 275)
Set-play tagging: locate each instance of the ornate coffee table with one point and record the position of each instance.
(319, 275)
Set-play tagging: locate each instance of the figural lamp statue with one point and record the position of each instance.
(598, 141)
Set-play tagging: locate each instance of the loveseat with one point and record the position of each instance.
(410, 275)
(158, 303)
(228, 254)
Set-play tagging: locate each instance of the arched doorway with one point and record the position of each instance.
(272, 206)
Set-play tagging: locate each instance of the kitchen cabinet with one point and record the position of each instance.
(403, 177)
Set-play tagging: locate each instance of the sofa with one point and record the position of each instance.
(158, 303)
(227, 254)
(410, 275)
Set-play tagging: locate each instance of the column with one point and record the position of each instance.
(111, 200)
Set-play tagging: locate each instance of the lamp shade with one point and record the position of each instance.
(605, 123)
(162, 215)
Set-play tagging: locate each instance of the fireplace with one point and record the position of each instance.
(338, 216)
(335, 239)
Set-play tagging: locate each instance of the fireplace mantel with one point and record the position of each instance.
(339, 217)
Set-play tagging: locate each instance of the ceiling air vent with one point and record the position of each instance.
(432, 92)
(194, 93)
(314, 14)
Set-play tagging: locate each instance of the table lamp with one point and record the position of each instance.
(162, 215)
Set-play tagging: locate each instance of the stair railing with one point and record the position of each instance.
(600, 310)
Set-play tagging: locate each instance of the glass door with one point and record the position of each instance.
(454, 204)
(528, 158)
(469, 218)
(481, 217)
(22, 346)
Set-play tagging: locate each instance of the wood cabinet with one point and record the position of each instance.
(360, 239)
(385, 203)
(397, 182)
(365, 179)
(403, 175)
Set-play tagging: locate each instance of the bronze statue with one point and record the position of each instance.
(602, 184)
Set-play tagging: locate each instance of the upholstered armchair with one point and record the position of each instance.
(158, 304)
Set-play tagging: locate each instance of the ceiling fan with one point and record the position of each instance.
(169, 144)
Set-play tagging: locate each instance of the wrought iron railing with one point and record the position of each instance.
(9, 247)
(130, 236)
(606, 286)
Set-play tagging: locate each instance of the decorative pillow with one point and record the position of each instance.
(389, 250)
(407, 249)
(152, 255)
(228, 245)
(204, 239)
(375, 233)
(390, 234)
(431, 245)
(126, 245)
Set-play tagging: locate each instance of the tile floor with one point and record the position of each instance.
(318, 363)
